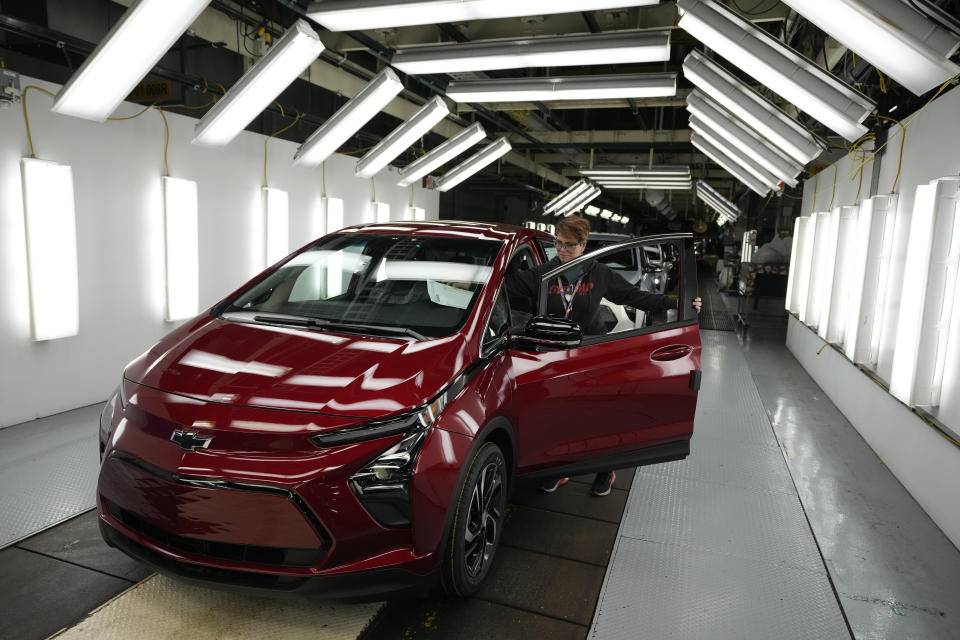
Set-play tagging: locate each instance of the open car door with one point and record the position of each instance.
(627, 393)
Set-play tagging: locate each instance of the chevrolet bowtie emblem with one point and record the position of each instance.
(190, 440)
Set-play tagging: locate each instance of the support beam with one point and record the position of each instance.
(600, 138)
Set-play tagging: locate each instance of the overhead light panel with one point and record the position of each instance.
(728, 164)
(562, 51)
(717, 202)
(742, 160)
(496, 149)
(580, 201)
(325, 141)
(605, 87)
(441, 154)
(660, 171)
(567, 196)
(606, 214)
(743, 138)
(352, 15)
(765, 117)
(667, 186)
(890, 35)
(51, 237)
(259, 86)
(135, 44)
(773, 64)
(400, 139)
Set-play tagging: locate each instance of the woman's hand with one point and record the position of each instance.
(697, 302)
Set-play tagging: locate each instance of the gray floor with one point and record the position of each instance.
(781, 524)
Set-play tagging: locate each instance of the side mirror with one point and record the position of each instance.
(548, 334)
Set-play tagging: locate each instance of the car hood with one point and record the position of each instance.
(298, 370)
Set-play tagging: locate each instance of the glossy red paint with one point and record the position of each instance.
(260, 392)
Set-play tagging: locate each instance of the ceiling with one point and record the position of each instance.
(550, 140)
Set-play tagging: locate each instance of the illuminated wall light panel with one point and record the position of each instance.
(259, 86)
(331, 210)
(890, 35)
(182, 250)
(51, 237)
(744, 162)
(807, 249)
(558, 51)
(728, 164)
(590, 87)
(745, 139)
(819, 275)
(350, 15)
(378, 212)
(415, 213)
(928, 304)
(869, 274)
(541, 226)
(348, 119)
(530, 224)
(769, 120)
(827, 271)
(489, 154)
(400, 139)
(794, 265)
(606, 214)
(135, 44)
(441, 154)
(777, 67)
(841, 292)
(276, 217)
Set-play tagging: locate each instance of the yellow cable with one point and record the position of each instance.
(275, 133)
(832, 197)
(411, 195)
(903, 140)
(166, 142)
(373, 189)
(26, 117)
(137, 114)
(816, 182)
(883, 82)
(323, 174)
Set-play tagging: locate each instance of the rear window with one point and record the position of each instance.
(426, 284)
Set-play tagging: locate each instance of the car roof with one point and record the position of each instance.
(458, 228)
(613, 237)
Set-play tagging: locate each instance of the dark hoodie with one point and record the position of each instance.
(599, 281)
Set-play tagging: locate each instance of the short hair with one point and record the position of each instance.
(575, 226)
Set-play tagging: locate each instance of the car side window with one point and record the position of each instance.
(499, 323)
(522, 305)
(547, 248)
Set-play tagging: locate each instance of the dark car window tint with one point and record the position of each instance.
(622, 260)
(425, 283)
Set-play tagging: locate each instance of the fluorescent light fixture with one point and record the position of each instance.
(869, 271)
(843, 287)
(606, 214)
(614, 218)
(51, 235)
(778, 67)
(557, 51)
(442, 153)
(350, 15)
(626, 172)
(728, 164)
(541, 226)
(927, 304)
(624, 220)
(325, 141)
(331, 210)
(276, 217)
(890, 35)
(794, 265)
(567, 195)
(828, 271)
(734, 153)
(259, 86)
(713, 198)
(490, 153)
(147, 29)
(647, 184)
(765, 117)
(740, 136)
(580, 201)
(182, 248)
(379, 212)
(606, 87)
(821, 249)
(591, 210)
(808, 233)
(398, 140)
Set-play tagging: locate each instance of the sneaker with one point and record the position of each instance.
(603, 484)
(550, 488)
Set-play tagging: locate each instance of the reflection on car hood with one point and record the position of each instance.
(291, 369)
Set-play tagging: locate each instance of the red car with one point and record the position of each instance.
(350, 422)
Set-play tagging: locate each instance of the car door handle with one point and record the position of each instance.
(671, 352)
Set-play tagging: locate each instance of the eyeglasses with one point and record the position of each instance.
(567, 245)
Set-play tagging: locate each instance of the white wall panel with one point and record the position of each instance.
(119, 207)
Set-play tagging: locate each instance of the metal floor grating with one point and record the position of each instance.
(718, 546)
(713, 313)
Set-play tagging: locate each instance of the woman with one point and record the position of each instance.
(577, 294)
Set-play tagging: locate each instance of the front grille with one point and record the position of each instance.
(277, 556)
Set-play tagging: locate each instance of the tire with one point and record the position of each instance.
(477, 523)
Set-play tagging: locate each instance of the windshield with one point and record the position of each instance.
(363, 282)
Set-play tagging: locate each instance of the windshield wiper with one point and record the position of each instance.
(327, 325)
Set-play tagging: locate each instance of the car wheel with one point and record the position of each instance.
(477, 522)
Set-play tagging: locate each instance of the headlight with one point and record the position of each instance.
(106, 419)
(383, 485)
